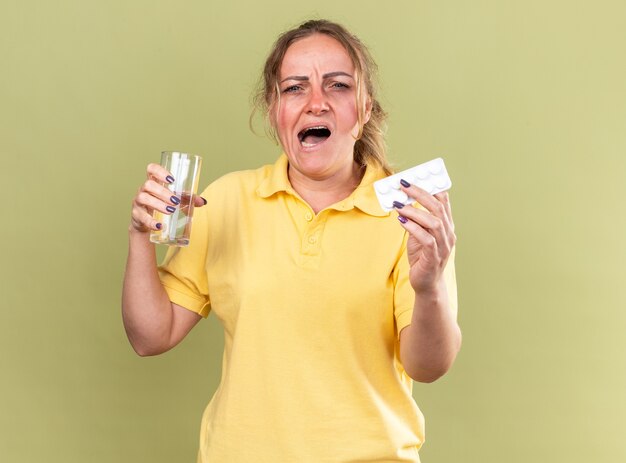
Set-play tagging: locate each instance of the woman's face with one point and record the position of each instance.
(316, 117)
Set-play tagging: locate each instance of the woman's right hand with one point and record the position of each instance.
(154, 196)
(152, 322)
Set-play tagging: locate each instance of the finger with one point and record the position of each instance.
(143, 221)
(425, 239)
(444, 198)
(434, 205)
(428, 201)
(435, 226)
(150, 203)
(159, 173)
(159, 191)
(199, 201)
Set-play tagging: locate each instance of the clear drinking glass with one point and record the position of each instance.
(176, 227)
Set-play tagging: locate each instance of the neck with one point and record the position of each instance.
(323, 192)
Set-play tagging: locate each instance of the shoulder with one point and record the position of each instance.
(250, 177)
(234, 191)
(238, 182)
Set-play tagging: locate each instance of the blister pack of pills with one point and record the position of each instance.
(431, 176)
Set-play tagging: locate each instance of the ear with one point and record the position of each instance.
(368, 110)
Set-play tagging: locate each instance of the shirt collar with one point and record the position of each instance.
(276, 180)
(363, 197)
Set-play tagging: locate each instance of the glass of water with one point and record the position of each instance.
(176, 227)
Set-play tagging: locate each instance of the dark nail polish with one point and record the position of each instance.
(402, 219)
(398, 205)
(170, 209)
(205, 201)
(169, 179)
(175, 200)
(158, 225)
(404, 183)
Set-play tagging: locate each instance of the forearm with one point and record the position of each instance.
(429, 346)
(146, 308)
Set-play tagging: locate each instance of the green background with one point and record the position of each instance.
(526, 101)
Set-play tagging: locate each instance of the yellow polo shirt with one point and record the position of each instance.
(312, 306)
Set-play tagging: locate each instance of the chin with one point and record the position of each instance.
(320, 165)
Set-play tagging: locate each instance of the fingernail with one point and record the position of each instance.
(158, 225)
(404, 183)
(175, 200)
(169, 179)
(170, 209)
(398, 205)
(205, 201)
(402, 219)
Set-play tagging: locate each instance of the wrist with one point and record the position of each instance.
(138, 235)
(431, 290)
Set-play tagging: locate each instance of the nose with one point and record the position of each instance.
(318, 102)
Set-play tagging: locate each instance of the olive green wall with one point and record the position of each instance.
(526, 101)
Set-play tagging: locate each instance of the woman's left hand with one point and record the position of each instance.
(431, 237)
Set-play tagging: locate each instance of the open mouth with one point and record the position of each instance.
(312, 136)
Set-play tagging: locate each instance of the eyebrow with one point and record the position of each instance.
(325, 76)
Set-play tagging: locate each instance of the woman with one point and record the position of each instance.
(330, 305)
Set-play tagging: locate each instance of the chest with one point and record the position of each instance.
(302, 271)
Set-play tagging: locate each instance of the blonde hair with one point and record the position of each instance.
(370, 146)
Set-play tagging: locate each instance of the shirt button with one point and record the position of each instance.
(308, 216)
(312, 240)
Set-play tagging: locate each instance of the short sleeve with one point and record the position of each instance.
(183, 271)
(404, 296)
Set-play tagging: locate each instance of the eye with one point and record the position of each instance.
(339, 85)
(292, 89)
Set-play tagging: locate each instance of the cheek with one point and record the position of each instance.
(282, 118)
(349, 110)
(351, 119)
(283, 126)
